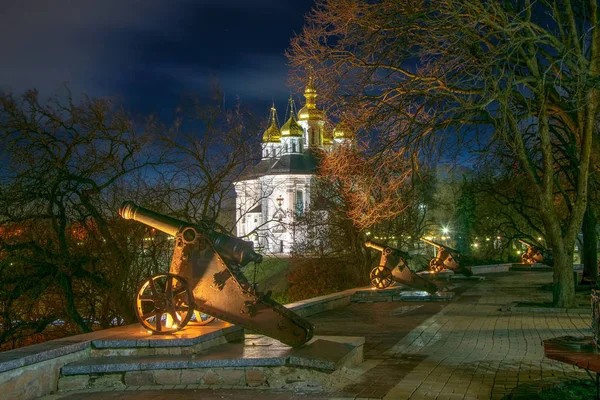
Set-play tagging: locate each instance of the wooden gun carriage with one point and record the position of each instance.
(392, 267)
(205, 275)
(533, 254)
(446, 259)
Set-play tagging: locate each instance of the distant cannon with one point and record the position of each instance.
(392, 267)
(205, 276)
(533, 254)
(446, 259)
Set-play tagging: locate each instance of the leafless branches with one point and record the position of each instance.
(414, 74)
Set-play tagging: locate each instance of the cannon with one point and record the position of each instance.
(392, 267)
(205, 275)
(446, 259)
(532, 255)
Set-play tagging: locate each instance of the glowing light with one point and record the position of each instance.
(445, 230)
(539, 238)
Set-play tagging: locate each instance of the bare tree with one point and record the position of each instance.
(208, 149)
(518, 76)
(60, 257)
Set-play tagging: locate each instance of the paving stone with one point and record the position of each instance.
(193, 376)
(67, 383)
(139, 378)
(211, 378)
(255, 378)
(472, 334)
(108, 381)
(167, 377)
(232, 376)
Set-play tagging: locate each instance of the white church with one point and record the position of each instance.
(278, 189)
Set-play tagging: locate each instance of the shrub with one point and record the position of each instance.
(310, 277)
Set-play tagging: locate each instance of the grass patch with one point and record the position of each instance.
(271, 275)
(571, 390)
(270, 267)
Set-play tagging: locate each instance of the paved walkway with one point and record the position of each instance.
(470, 348)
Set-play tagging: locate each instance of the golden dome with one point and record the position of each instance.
(310, 110)
(343, 131)
(272, 134)
(310, 86)
(292, 128)
(308, 113)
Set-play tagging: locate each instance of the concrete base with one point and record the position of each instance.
(530, 267)
(398, 293)
(34, 371)
(448, 276)
(258, 361)
(133, 340)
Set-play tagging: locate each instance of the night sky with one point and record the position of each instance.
(148, 53)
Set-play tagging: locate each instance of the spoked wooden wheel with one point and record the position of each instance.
(164, 303)
(200, 318)
(381, 277)
(434, 266)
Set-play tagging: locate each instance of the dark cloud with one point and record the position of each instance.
(148, 52)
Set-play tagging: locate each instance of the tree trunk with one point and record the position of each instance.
(71, 308)
(590, 245)
(564, 285)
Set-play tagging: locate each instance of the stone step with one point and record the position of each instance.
(322, 352)
(257, 358)
(133, 340)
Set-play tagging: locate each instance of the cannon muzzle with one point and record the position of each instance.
(230, 248)
(387, 250)
(168, 225)
(374, 245)
(525, 243)
(434, 244)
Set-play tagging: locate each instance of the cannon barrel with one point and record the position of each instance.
(431, 243)
(230, 248)
(374, 245)
(381, 248)
(525, 243)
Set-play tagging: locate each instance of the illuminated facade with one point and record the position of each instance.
(278, 188)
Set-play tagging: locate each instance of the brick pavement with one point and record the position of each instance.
(473, 350)
(466, 349)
